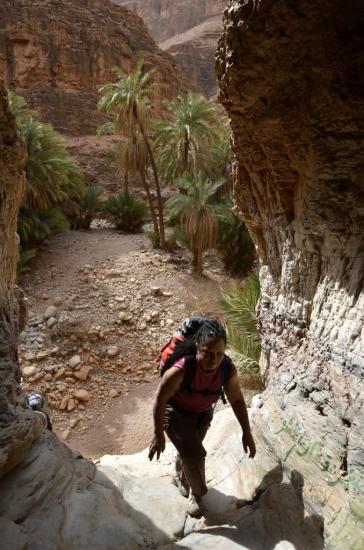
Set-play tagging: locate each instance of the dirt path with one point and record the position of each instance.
(116, 301)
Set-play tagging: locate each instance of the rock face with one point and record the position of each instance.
(18, 428)
(62, 500)
(194, 53)
(167, 18)
(57, 53)
(189, 31)
(291, 82)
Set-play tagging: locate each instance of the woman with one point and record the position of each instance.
(185, 413)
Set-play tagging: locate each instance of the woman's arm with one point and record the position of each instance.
(237, 402)
(168, 386)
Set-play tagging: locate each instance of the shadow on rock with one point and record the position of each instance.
(277, 514)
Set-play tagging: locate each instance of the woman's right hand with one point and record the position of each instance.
(157, 446)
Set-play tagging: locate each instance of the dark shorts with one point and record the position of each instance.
(187, 430)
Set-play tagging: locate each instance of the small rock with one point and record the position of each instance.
(71, 404)
(169, 322)
(113, 393)
(125, 317)
(60, 373)
(48, 377)
(154, 314)
(112, 351)
(42, 355)
(51, 311)
(54, 350)
(65, 434)
(57, 301)
(82, 395)
(73, 422)
(64, 402)
(74, 361)
(29, 371)
(82, 374)
(51, 322)
(156, 291)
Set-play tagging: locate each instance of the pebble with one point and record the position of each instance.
(82, 395)
(82, 374)
(65, 434)
(42, 355)
(51, 322)
(51, 311)
(74, 361)
(113, 393)
(112, 351)
(29, 371)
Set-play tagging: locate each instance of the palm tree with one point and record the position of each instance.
(183, 141)
(239, 307)
(129, 101)
(132, 157)
(51, 174)
(197, 210)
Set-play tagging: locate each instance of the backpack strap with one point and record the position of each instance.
(226, 368)
(190, 372)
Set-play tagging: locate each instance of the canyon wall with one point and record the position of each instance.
(57, 53)
(167, 18)
(187, 30)
(291, 80)
(18, 426)
(194, 53)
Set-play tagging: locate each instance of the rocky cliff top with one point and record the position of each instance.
(57, 53)
(194, 52)
(167, 18)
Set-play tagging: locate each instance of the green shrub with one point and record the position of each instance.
(36, 225)
(234, 243)
(239, 307)
(126, 211)
(89, 206)
(25, 258)
(154, 239)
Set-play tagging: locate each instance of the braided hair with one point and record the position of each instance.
(210, 329)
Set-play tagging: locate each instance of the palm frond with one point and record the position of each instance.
(239, 308)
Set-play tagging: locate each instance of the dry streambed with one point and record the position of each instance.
(100, 307)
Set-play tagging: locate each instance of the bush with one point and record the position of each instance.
(239, 307)
(126, 211)
(89, 205)
(234, 243)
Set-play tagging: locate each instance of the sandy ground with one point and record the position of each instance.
(78, 266)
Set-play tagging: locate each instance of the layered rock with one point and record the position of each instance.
(57, 53)
(291, 82)
(167, 18)
(18, 428)
(194, 53)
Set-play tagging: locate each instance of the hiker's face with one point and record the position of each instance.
(211, 353)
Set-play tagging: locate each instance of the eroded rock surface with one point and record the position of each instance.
(194, 52)
(18, 428)
(291, 82)
(167, 18)
(55, 496)
(57, 53)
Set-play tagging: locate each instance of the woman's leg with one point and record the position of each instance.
(186, 431)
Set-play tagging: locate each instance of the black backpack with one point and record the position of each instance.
(188, 328)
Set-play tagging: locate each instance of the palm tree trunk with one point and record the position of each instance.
(151, 205)
(126, 183)
(157, 185)
(197, 263)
